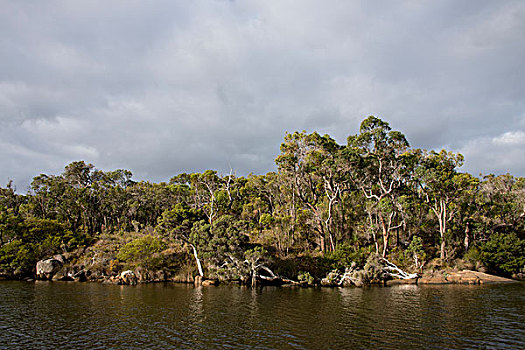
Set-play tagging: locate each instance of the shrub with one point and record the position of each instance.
(143, 251)
(503, 253)
(345, 255)
(415, 252)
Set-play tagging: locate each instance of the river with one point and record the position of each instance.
(61, 315)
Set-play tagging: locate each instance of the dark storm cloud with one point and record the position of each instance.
(168, 86)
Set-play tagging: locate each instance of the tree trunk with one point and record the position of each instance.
(322, 243)
(467, 237)
(442, 252)
(386, 234)
(385, 243)
(199, 266)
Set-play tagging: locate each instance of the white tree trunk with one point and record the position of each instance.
(199, 266)
(390, 267)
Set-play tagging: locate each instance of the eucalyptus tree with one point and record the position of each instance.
(177, 224)
(214, 194)
(309, 162)
(9, 199)
(503, 203)
(147, 201)
(379, 164)
(443, 186)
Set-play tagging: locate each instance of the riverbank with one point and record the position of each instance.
(376, 272)
(453, 277)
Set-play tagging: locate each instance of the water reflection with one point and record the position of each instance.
(71, 315)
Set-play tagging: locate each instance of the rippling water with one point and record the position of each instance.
(49, 315)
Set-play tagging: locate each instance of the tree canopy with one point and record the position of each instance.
(327, 202)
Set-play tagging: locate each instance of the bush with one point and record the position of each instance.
(306, 277)
(143, 251)
(415, 252)
(16, 255)
(33, 239)
(503, 253)
(345, 255)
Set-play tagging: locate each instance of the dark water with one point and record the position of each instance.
(48, 315)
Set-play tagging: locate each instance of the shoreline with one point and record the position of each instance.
(440, 277)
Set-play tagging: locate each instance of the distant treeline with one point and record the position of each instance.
(334, 203)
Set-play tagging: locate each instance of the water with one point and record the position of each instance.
(47, 315)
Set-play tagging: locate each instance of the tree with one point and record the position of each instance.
(441, 185)
(309, 164)
(178, 222)
(379, 166)
(504, 253)
(503, 203)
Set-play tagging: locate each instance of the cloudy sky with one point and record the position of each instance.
(161, 87)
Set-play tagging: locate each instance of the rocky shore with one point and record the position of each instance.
(453, 277)
(61, 268)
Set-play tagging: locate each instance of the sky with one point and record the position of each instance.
(164, 87)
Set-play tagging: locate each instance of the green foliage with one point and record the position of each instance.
(306, 277)
(346, 255)
(415, 252)
(143, 251)
(373, 270)
(226, 236)
(255, 255)
(503, 253)
(178, 221)
(327, 207)
(473, 256)
(17, 257)
(32, 239)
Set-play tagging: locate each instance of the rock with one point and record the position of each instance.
(209, 283)
(198, 280)
(330, 279)
(128, 278)
(461, 277)
(347, 283)
(79, 276)
(519, 276)
(141, 274)
(46, 269)
(62, 275)
(401, 281)
(325, 282)
(60, 258)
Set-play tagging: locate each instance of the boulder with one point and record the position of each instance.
(209, 283)
(128, 278)
(60, 258)
(141, 274)
(461, 277)
(111, 280)
(400, 281)
(46, 269)
(62, 275)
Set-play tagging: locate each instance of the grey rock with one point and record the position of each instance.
(46, 269)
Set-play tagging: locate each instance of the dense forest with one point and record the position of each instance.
(328, 207)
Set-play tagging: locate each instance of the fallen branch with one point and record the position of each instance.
(348, 276)
(390, 267)
(272, 275)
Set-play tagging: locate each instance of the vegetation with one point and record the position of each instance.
(328, 206)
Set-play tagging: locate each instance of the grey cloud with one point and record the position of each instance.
(169, 86)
